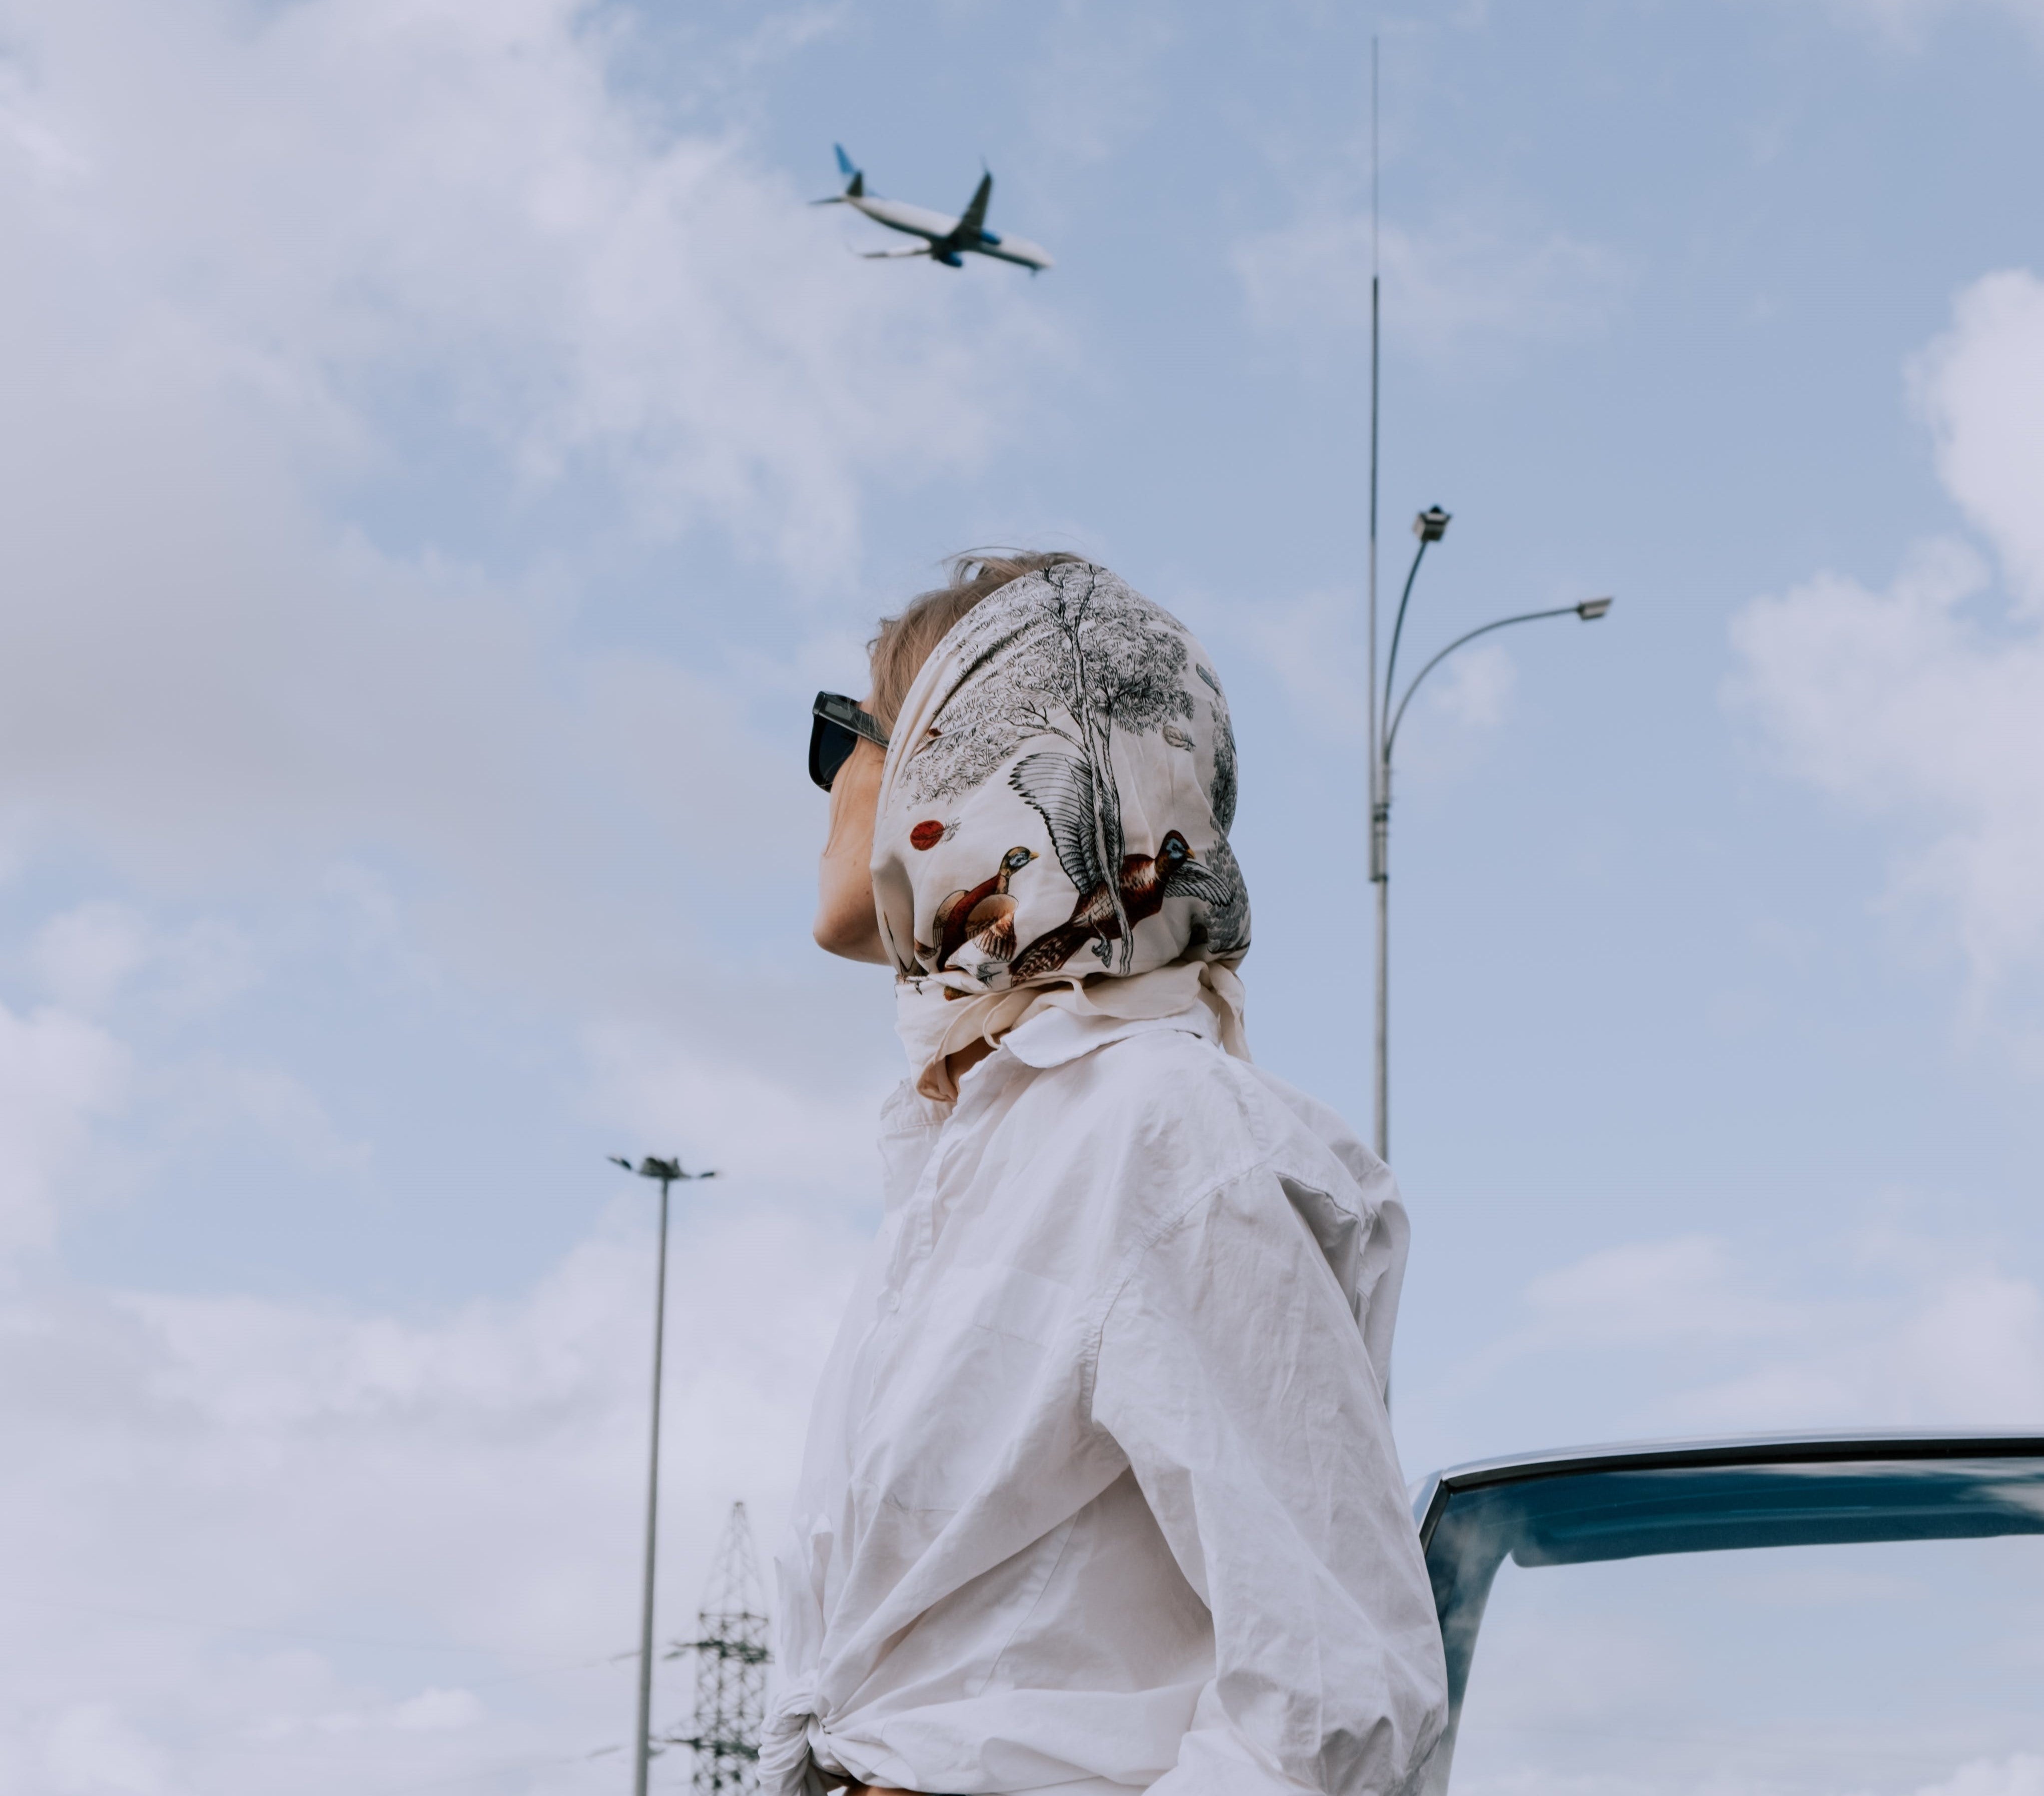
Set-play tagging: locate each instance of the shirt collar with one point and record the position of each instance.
(1054, 1036)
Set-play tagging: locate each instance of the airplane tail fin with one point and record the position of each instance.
(855, 187)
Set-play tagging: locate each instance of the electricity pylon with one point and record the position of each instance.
(731, 1669)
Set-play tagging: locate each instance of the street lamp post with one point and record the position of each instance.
(1430, 526)
(667, 1171)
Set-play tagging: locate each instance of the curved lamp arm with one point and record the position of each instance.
(1589, 610)
(1398, 630)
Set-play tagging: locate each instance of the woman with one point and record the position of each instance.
(1100, 1492)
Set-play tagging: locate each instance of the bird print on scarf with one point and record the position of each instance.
(982, 914)
(1060, 788)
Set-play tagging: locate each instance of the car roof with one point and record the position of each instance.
(1431, 1494)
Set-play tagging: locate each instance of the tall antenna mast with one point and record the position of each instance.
(1372, 434)
(1379, 798)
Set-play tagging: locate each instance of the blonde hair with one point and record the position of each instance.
(897, 652)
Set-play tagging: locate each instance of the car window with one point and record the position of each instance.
(1881, 1670)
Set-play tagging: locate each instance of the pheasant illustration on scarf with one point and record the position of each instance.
(1053, 821)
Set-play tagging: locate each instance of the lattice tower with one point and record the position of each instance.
(731, 1668)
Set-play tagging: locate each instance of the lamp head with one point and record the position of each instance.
(1593, 608)
(1432, 524)
(652, 1167)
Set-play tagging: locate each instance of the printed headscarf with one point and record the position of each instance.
(1066, 727)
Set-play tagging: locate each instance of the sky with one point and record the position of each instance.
(442, 453)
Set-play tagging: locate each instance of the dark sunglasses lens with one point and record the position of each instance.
(831, 745)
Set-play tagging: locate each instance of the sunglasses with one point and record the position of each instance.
(837, 723)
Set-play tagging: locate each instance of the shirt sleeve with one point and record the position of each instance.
(1233, 1373)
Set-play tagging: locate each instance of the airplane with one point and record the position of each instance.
(945, 240)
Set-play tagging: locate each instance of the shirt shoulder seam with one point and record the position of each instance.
(1263, 1159)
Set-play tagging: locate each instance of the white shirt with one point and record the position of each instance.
(1100, 1492)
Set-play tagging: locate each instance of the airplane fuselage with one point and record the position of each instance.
(934, 227)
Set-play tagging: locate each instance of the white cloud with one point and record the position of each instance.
(1908, 23)
(314, 204)
(1965, 1349)
(272, 261)
(1095, 89)
(1470, 280)
(92, 1749)
(1909, 703)
(1314, 645)
(1981, 385)
(1476, 686)
(1649, 1293)
(58, 1073)
(438, 1711)
(1920, 1334)
(211, 1094)
(278, 265)
(2021, 1774)
(434, 1710)
(95, 953)
(659, 1089)
(279, 1545)
(85, 955)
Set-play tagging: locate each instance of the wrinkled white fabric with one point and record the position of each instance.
(1100, 1492)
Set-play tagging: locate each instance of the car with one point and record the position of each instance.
(1574, 1726)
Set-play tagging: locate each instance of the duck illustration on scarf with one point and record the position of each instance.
(1059, 789)
(983, 913)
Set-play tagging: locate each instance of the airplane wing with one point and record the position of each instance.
(966, 234)
(889, 254)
